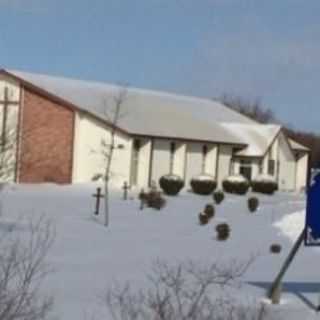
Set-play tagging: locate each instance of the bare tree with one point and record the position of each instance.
(113, 112)
(8, 138)
(252, 109)
(255, 111)
(8, 148)
(22, 270)
(185, 292)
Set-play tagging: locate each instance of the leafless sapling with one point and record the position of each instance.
(22, 271)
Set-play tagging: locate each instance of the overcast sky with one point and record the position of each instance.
(258, 49)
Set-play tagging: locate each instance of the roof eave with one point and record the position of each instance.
(48, 95)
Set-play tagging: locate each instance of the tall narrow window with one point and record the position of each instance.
(172, 153)
(204, 158)
(271, 167)
(260, 167)
(135, 162)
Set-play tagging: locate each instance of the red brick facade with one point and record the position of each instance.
(46, 143)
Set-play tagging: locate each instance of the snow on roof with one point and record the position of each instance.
(160, 114)
(146, 112)
(297, 146)
(258, 137)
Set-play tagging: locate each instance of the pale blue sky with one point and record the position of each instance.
(262, 49)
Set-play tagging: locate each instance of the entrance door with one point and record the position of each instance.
(246, 169)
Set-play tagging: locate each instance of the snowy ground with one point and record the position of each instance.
(87, 257)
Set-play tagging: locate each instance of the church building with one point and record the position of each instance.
(55, 129)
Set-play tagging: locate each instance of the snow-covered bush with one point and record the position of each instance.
(237, 184)
(218, 196)
(203, 184)
(209, 210)
(223, 231)
(275, 248)
(203, 218)
(171, 184)
(253, 204)
(153, 199)
(264, 184)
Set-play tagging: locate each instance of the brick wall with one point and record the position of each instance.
(46, 142)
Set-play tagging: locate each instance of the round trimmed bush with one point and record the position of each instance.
(236, 184)
(155, 200)
(218, 196)
(253, 204)
(142, 195)
(203, 184)
(203, 219)
(264, 184)
(171, 184)
(209, 211)
(275, 248)
(223, 231)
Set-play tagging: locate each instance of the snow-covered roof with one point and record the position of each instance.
(146, 112)
(160, 114)
(258, 137)
(297, 146)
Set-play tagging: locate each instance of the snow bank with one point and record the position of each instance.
(172, 177)
(292, 225)
(204, 177)
(236, 178)
(264, 178)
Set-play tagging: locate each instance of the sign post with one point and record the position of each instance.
(310, 234)
(275, 291)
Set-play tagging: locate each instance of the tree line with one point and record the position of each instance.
(256, 111)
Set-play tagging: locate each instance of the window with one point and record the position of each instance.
(204, 158)
(172, 153)
(271, 167)
(135, 162)
(260, 167)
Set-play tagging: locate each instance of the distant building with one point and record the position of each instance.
(60, 123)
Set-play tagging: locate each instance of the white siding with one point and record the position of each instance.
(13, 88)
(224, 162)
(302, 167)
(88, 152)
(180, 160)
(287, 166)
(144, 163)
(194, 161)
(8, 157)
(272, 154)
(211, 162)
(161, 159)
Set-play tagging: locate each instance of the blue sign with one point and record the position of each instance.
(312, 231)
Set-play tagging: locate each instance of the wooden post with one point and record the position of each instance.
(274, 292)
(98, 196)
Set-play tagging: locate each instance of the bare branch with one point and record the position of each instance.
(22, 271)
(185, 292)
